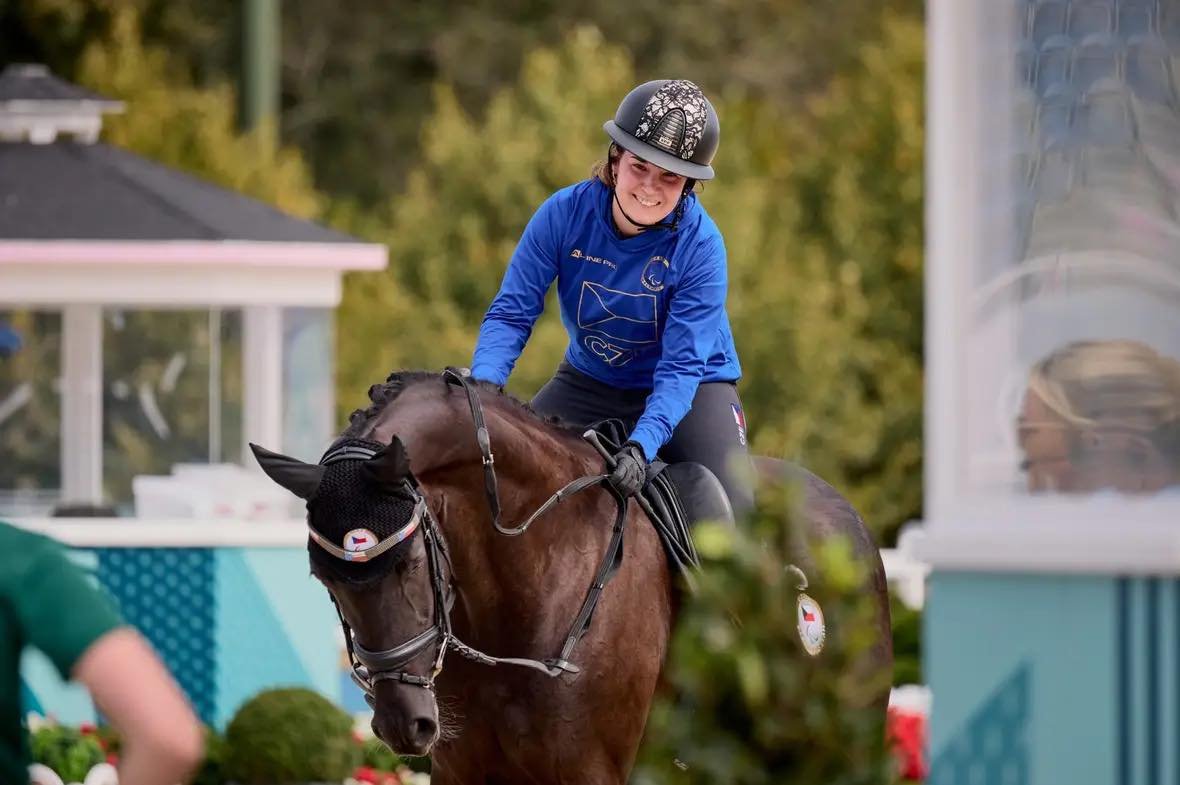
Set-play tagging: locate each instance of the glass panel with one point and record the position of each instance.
(30, 412)
(308, 396)
(172, 393)
(1073, 354)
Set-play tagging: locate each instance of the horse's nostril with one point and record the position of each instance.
(423, 730)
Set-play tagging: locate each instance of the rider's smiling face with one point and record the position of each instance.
(647, 192)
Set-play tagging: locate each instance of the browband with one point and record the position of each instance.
(371, 553)
(359, 452)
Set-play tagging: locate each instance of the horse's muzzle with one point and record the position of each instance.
(406, 736)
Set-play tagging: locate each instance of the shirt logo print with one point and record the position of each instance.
(618, 316)
(654, 273)
(577, 254)
(610, 354)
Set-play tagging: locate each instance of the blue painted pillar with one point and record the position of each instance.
(1042, 679)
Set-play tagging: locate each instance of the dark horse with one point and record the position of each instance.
(416, 568)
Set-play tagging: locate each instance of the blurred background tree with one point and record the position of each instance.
(439, 128)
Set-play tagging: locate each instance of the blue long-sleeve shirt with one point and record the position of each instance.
(641, 312)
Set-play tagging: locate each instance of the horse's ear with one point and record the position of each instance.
(391, 467)
(301, 479)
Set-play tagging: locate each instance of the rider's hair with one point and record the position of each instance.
(1120, 384)
(604, 170)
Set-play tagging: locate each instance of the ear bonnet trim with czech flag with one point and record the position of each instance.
(355, 519)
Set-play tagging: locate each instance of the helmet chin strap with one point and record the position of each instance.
(669, 225)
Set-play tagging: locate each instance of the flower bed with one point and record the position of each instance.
(909, 707)
(88, 754)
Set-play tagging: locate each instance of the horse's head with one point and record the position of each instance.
(375, 546)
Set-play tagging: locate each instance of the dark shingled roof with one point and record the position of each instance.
(68, 191)
(33, 82)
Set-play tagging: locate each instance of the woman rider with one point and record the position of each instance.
(641, 277)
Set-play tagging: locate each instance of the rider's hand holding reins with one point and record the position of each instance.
(630, 470)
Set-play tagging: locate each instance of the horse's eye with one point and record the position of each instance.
(410, 566)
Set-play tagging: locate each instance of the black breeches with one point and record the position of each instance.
(713, 433)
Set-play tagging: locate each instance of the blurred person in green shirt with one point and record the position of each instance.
(49, 603)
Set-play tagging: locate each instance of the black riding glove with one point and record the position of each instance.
(630, 470)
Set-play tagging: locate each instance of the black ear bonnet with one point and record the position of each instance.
(354, 509)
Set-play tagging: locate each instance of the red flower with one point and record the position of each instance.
(87, 728)
(365, 774)
(113, 759)
(906, 731)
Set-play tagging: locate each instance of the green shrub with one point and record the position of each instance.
(67, 751)
(212, 771)
(907, 643)
(291, 735)
(375, 754)
(109, 739)
(750, 706)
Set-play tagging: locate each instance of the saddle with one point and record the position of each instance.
(675, 497)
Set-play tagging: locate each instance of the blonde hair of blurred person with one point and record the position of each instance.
(47, 602)
(1102, 415)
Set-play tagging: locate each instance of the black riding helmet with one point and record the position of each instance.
(670, 123)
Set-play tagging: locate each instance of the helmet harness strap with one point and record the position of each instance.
(670, 225)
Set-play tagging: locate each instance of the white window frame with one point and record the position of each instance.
(965, 530)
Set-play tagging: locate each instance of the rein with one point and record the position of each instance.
(369, 667)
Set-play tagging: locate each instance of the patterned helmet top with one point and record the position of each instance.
(670, 123)
(674, 119)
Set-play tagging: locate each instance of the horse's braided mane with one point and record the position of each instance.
(382, 395)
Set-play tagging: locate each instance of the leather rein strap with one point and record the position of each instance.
(611, 560)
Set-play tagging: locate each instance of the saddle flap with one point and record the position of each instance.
(701, 493)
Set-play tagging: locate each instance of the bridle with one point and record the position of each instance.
(369, 666)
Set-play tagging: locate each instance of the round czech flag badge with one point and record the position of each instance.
(359, 540)
(811, 624)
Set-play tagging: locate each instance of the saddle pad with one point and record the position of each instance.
(678, 496)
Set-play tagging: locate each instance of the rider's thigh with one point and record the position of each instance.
(578, 401)
(713, 433)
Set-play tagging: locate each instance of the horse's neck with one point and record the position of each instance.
(440, 434)
(502, 578)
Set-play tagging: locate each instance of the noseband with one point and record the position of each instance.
(369, 666)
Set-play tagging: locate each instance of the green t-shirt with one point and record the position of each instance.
(47, 602)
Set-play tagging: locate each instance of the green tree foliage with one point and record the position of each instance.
(473, 189)
(172, 117)
(907, 642)
(356, 77)
(821, 210)
(192, 128)
(747, 704)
